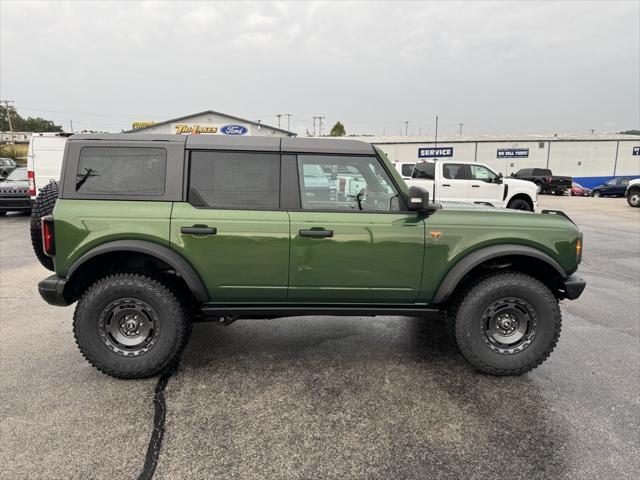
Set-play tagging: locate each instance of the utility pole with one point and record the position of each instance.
(320, 119)
(6, 106)
(288, 115)
(460, 125)
(71, 125)
(314, 126)
(279, 115)
(436, 139)
(406, 128)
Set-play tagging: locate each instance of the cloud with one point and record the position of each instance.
(496, 66)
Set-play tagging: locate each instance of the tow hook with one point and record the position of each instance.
(226, 319)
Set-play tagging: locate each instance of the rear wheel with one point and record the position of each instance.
(507, 324)
(130, 326)
(43, 206)
(596, 194)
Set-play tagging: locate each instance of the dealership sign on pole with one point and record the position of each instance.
(636, 150)
(433, 152)
(512, 153)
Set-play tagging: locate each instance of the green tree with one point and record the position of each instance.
(630, 132)
(31, 124)
(338, 130)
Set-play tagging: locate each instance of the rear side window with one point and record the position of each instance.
(407, 169)
(126, 171)
(237, 180)
(454, 171)
(425, 170)
(541, 172)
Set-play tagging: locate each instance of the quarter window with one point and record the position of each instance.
(238, 180)
(342, 183)
(126, 171)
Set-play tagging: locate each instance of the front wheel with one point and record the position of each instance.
(507, 324)
(520, 204)
(130, 326)
(633, 199)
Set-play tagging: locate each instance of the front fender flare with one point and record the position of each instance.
(168, 256)
(467, 263)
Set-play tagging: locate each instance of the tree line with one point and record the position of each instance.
(30, 124)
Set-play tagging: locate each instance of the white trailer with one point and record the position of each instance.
(44, 160)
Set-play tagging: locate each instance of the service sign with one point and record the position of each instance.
(209, 129)
(513, 153)
(636, 150)
(433, 152)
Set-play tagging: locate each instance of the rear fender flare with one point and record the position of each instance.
(168, 256)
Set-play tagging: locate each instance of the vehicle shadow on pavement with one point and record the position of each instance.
(331, 397)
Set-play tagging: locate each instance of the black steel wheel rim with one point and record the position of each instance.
(129, 327)
(509, 325)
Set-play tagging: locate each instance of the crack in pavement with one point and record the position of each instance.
(159, 417)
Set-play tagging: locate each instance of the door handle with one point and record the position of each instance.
(316, 233)
(199, 230)
(446, 185)
(475, 186)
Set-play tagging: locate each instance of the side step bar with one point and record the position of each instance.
(257, 311)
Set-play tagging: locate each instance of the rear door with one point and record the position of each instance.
(454, 184)
(364, 248)
(232, 229)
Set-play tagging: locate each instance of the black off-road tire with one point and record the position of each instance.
(520, 204)
(43, 205)
(167, 311)
(470, 320)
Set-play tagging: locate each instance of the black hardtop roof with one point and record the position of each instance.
(255, 143)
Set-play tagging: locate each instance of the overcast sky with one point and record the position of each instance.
(500, 67)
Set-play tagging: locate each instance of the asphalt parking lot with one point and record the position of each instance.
(330, 397)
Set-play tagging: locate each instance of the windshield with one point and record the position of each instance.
(18, 175)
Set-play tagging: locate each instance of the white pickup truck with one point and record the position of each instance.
(470, 183)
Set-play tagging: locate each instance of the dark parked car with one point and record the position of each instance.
(14, 192)
(7, 165)
(545, 180)
(613, 188)
(578, 190)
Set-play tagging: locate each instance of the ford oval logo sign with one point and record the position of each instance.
(234, 130)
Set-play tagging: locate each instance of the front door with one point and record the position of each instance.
(232, 229)
(484, 186)
(361, 248)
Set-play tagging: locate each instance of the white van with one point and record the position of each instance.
(44, 160)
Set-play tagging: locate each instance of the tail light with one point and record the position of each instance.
(48, 236)
(32, 183)
(548, 179)
(342, 183)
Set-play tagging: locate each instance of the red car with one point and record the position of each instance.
(578, 190)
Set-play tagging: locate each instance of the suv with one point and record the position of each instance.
(7, 165)
(150, 232)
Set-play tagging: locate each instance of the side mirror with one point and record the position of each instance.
(418, 199)
(500, 178)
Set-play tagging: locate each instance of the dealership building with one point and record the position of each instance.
(589, 159)
(210, 122)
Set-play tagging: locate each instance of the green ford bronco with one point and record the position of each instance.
(151, 232)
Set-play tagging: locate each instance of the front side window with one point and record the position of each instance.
(126, 171)
(342, 183)
(454, 171)
(478, 172)
(236, 180)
